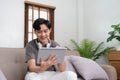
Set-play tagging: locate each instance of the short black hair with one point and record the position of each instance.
(39, 21)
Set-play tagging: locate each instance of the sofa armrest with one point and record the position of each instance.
(111, 71)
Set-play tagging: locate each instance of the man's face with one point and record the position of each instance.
(43, 34)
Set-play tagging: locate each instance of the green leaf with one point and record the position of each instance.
(115, 34)
(102, 53)
(89, 49)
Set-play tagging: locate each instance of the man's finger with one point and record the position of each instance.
(41, 59)
(50, 57)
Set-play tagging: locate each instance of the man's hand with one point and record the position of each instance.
(52, 60)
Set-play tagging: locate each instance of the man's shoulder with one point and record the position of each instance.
(54, 43)
(31, 43)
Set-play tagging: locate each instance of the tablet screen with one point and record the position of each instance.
(46, 52)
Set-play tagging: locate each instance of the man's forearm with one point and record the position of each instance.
(62, 66)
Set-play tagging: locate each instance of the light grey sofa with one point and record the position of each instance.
(12, 64)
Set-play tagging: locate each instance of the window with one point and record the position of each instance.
(32, 12)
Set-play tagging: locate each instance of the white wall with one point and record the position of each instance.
(12, 21)
(99, 15)
(80, 26)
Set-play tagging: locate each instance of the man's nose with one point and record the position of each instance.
(42, 33)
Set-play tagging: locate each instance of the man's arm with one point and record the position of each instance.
(44, 65)
(33, 68)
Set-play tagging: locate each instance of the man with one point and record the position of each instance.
(46, 69)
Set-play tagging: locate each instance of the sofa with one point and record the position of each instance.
(13, 66)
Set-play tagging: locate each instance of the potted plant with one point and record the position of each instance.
(115, 34)
(89, 49)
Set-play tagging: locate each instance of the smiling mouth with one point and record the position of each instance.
(43, 38)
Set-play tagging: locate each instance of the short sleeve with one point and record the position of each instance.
(54, 44)
(30, 53)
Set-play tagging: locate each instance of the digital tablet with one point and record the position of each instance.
(46, 52)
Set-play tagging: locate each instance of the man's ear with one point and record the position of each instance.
(35, 31)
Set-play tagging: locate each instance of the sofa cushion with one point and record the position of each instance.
(88, 69)
(12, 63)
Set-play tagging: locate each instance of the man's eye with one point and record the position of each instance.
(46, 31)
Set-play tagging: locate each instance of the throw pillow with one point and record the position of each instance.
(69, 66)
(88, 68)
(2, 77)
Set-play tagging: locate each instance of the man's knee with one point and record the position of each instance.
(32, 76)
(70, 75)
